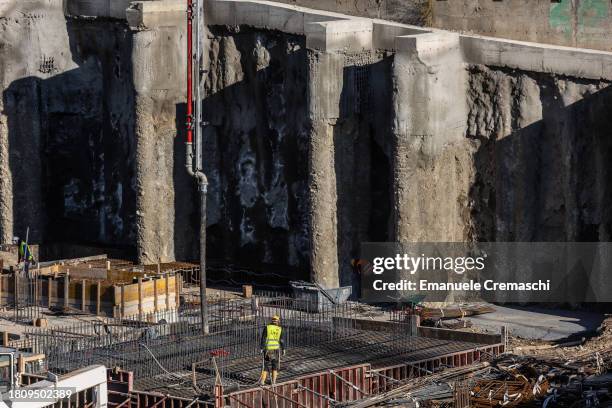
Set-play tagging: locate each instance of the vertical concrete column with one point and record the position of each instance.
(6, 183)
(159, 68)
(324, 89)
(431, 157)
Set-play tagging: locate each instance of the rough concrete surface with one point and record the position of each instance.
(66, 123)
(256, 147)
(575, 23)
(541, 159)
(311, 147)
(537, 322)
(415, 12)
(432, 170)
(165, 222)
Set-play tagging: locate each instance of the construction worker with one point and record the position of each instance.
(25, 254)
(272, 345)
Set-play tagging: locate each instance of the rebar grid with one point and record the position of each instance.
(26, 300)
(161, 348)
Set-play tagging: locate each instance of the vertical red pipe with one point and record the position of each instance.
(189, 72)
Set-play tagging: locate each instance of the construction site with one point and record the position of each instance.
(187, 188)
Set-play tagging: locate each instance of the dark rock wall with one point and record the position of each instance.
(87, 119)
(543, 161)
(256, 149)
(362, 158)
(66, 127)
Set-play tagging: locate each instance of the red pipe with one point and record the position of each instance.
(189, 71)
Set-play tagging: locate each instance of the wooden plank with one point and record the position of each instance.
(98, 296)
(122, 301)
(167, 279)
(140, 295)
(73, 260)
(155, 306)
(83, 283)
(49, 291)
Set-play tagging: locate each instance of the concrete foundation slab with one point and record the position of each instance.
(539, 323)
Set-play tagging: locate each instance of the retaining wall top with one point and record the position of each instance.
(335, 32)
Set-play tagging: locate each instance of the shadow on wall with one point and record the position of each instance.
(255, 157)
(362, 165)
(72, 144)
(547, 179)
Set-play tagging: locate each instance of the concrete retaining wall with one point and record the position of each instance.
(325, 131)
(415, 12)
(574, 23)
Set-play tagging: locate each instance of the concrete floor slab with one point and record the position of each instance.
(538, 322)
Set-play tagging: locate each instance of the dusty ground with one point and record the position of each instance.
(570, 348)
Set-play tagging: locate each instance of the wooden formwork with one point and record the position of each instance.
(102, 297)
(146, 296)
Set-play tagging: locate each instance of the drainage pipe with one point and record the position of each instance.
(194, 123)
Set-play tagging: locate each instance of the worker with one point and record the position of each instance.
(272, 345)
(25, 254)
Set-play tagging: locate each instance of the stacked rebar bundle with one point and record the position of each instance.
(25, 296)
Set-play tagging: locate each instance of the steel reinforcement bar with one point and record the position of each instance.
(331, 387)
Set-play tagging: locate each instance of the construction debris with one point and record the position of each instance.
(570, 374)
(510, 393)
(456, 312)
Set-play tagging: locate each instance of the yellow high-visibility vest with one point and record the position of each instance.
(273, 335)
(25, 249)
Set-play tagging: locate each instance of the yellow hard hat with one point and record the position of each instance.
(275, 318)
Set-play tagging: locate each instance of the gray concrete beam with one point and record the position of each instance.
(574, 62)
